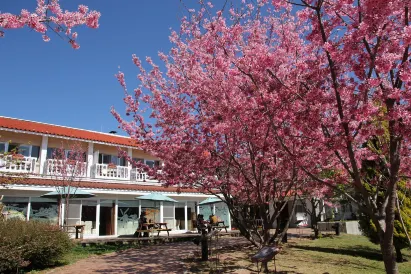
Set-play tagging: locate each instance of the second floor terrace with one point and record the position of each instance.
(22, 151)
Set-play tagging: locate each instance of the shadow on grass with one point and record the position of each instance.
(355, 251)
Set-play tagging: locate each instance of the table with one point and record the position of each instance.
(219, 225)
(78, 228)
(154, 227)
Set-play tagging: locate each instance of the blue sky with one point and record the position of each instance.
(53, 83)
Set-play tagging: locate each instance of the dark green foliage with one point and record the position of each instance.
(400, 238)
(30, 245)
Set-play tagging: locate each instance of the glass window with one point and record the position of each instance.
(15, 207)
(104, 159)
(127, 217)
(24, 150)
(122, 161)
(20, 149)
(114, 160)
(107, 159)
(43, 209)
(150, 163)
(51, 152)
(35, 151)
(2, 147)
(13, 148)
(136, 160)
(70, 155)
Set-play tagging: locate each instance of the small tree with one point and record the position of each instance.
(66, 168)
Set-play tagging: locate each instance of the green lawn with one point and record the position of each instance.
(344, 254)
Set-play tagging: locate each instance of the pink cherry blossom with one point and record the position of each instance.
(50, 15)
(282, 98)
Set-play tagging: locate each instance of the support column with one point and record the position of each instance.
(98, 217)
(185, 217)
(28, 210)
(90, 158)
(43, 154)
(63, 206)
(115, 217)
(130, 154)
(198, 209)
(139, 208)
(161, 212)
(213, 209)
(228, 219)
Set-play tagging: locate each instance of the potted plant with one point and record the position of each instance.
(18, 157)
(112, 165)
(71, 162)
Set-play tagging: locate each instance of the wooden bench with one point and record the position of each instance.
(138, 231)
(219, 225)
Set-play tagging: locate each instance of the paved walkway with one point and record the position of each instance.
(163, 258)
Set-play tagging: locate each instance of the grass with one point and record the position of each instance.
(343, 254)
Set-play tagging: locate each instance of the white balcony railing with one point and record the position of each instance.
(138, 176)
(106, 171)
(11, 163)
(65, 168)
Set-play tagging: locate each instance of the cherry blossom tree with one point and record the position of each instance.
(66, 168)
(209, 130)
(273, 90)
(49, 16)
(355, 87)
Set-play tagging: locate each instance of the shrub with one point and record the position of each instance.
(30, 244)
(400, 239)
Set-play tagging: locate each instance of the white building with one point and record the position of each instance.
(115, 182)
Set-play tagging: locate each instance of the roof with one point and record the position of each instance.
(103, 185)
(62, 131)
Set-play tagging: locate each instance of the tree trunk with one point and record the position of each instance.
(400, 258)
(264, 267)
(204, 246)
(316, 231)
(387, 236)
(66, 209)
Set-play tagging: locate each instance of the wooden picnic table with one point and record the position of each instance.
(79, 229)
(219, 225)
(154, 227)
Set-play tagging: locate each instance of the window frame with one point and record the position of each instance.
(18, 145)
(6, 147)
(113, 159)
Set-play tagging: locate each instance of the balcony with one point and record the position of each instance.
(71, 169)
(65, 168)
(113, 172)
(138, 176)
(17, 163)
(109, 171)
